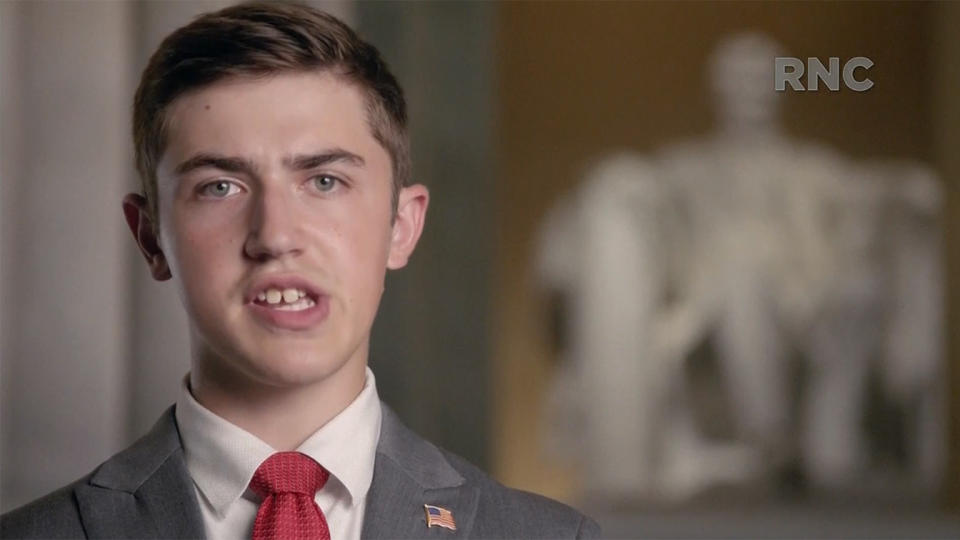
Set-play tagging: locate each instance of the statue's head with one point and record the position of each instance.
(742, 80)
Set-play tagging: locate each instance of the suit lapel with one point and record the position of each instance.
(408, 473)
(144, 491)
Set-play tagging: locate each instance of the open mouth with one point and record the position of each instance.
(289, 299)
(288, 302)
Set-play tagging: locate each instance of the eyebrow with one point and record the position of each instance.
(224, 163)
(310, 161)
(297, 162)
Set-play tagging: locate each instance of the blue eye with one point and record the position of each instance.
(325, 182)
(219, 189)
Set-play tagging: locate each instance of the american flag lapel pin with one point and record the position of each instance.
(439, 517)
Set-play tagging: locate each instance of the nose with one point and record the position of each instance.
(273, 226)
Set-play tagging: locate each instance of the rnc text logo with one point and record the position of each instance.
(790, 70)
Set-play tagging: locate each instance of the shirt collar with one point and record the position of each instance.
(222, 457)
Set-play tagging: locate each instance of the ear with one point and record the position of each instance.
(412, 204)
(142, 227)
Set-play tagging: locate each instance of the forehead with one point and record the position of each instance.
(266, 117)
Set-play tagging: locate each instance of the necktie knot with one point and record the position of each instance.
(289, 472)
(288, 482)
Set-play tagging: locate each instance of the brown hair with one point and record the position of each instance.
(256, 39)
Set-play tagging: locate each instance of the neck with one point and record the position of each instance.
(282, 415)
(750, 133)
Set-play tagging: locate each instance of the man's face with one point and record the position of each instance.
(275, 223)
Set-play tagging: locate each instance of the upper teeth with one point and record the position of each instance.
(275, 296)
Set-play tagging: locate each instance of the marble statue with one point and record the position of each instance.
(766, 248)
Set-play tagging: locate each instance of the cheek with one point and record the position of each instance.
(201, 250)
(363, 248)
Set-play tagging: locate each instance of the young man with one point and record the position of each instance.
(272, 145)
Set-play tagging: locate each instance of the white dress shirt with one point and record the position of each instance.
(222, 458)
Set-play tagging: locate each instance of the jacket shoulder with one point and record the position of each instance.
(55, 515)
(138, 492)
(513, 513)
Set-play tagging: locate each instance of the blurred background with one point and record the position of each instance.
(649, 286)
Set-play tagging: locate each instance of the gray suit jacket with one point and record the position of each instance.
(145, 491)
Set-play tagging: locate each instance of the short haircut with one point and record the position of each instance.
(258, 39)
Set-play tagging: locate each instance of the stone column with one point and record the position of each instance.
(65, 85)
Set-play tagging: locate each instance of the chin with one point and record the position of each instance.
(293, 365)
(276, 359)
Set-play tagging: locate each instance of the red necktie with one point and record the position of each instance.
(288, 482)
